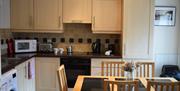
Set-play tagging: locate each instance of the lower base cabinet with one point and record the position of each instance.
(24, 82)
(96, 65)
(46, 74)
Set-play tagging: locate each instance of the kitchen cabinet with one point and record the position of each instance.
(48, 15)
(96, 65)
(36, 16)
(46, 74)
(107, 16)
(77, 11)
(21, 14)
(137, 28)
(24, 83)
(4, 14)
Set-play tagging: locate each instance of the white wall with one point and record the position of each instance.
(166, 39)
(179, 44)
(179, 51)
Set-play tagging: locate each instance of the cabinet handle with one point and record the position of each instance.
(93, 21)
(25, 71)
(59, 21)
(124, 49)
(30, 21)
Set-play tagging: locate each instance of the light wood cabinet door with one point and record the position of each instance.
(48, 15)
(77, 11)
(46, 74)
(23, 82)
(30, 82)
(4, 14)
(21, 77)
(107, 16)
(21, 14)
(137, 28)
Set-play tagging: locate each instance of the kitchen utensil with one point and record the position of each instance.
(69, 49)
(56, 50)
(61, 50)
(108, 53)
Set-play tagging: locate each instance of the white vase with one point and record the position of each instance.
(129, 75)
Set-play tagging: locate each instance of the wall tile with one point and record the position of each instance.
(75, 32)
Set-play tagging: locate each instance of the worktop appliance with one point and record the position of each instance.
(9, 81)
(22, 46)
(96, 47)
(45, 47)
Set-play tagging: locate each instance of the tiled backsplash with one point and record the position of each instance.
(73, 34)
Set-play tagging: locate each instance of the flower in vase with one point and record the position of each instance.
(130, 66)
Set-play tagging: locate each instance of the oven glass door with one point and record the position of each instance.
(75, 66)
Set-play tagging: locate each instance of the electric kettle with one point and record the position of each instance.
(96, 47)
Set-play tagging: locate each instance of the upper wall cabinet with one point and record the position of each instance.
(107, 16)
(48, 14)
(36, 16)
(4, 14)
(77, 11)
(137, 29)
(21, 14)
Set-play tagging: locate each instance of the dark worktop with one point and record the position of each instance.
(8, 62)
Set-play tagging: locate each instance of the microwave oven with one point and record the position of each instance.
(22, 46)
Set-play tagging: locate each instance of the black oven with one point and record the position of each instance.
(75, 66)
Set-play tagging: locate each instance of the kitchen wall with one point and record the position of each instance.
(166, 39)
(78, 35)
(179, 50)
(5, 34)
(179, 43)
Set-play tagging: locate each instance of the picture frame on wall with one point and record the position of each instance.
(165, 16)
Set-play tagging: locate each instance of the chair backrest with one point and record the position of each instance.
(109, 68)
(163, 86)
(62, 78)
(145, 69)
(126, 85)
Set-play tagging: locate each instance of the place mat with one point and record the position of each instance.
(93, 84)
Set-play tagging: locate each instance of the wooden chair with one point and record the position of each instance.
(126, 85)
(62, 78)
(163, 86)
(145, 69)
(109, 68)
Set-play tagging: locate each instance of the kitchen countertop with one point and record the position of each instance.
(8, 62)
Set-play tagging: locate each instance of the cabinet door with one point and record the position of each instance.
(30, 82)
(21, 14)
(77, 11)
(48, 14)
(21, 70)
(96, 65)
(137, 37)
(46, 74)
(107, 16)
(23, 82)
(4, 14)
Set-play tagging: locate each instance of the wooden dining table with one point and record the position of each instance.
(95, 83)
